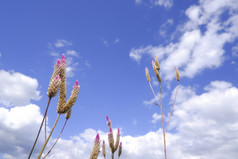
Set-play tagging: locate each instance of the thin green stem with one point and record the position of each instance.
(172, 109)
(40, 128)
(165, 154)
(56, 139)
(42, 149)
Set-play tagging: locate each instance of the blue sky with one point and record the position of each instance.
(107, 45)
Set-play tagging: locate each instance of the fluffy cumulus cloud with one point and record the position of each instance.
(203, 126)
(197, 48)
(18, 127)
(17, 88)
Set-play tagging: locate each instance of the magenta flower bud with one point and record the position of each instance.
(62, 57)
(97, 139)
(76, 85)
(118, 131)
(58, 62)
(107, 118)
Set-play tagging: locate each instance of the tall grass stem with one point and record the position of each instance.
(172, 109)
(46, 110)
(42, 149)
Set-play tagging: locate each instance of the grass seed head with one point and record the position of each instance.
(120, 149)
(96, 147)
(73, 97)
(117, 140)
(157, 63)
(111, 140)
(54, 86)
(156, 72)
(147, 74)
(177, 73)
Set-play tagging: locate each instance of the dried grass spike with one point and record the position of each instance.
(111, 140)
(120, 149)
(117, 140)
(156, 72)
(109, 123)
(157, 63)
(96, 147)
(73, 97)
(177, 73)
(62, 94)
(147, 74)
(54, 86)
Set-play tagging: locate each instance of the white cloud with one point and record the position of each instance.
(156, 117)
(17, 88)
(62, 43)
(235, 51)
(53, 53)
(205, 126)
(164, 3)
(164, 27)
(197, 49)
(19, 127)
(72, 53)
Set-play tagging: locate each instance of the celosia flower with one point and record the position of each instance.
(96, 148)
(109, 123)
(120, 149)
(62, 94)
(157, 63)
(54, 86)
(156, 71)
(117, 140)
(111, 140)
(147, 74)
(72, 98)
(177, 73)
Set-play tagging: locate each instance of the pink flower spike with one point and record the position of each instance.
(120, 144)
(58, 61)
(103, 142)
(97, 138)
(76, 83)
(146, 69)
(153, 62)
(107, 118)
(62, 57)
(175, 68)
